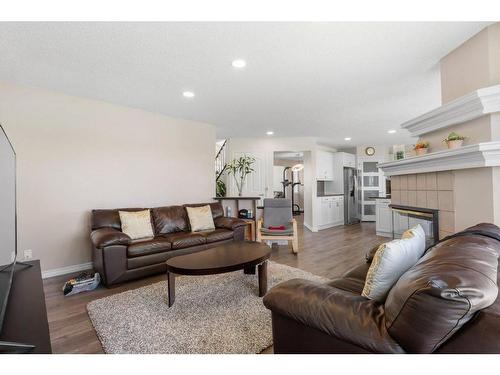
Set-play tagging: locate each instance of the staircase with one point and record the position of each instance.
(220, 161)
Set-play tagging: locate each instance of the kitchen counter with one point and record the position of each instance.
(381, 197)
(329, 195)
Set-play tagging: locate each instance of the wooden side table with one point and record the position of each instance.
(251, 229)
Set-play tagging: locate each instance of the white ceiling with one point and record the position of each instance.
(330, 80)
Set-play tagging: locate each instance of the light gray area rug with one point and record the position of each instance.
(211, 314)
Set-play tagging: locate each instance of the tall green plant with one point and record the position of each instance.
(240, 168)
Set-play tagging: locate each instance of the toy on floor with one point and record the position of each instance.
(82, 283)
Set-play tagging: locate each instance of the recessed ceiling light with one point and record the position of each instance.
(270, 132)
(347, 138)
(391, 131)
(188, 94)
(239, 63)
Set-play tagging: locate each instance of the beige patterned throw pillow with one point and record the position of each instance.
(200, 218)
(136, 224)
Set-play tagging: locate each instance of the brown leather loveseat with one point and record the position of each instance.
(118, 259)
(446, 303)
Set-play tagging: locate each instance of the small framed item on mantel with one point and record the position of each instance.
(399, 152)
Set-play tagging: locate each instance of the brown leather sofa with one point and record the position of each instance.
(118, 259)
(446, 303)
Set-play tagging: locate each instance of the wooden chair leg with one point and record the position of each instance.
(295, 245)
(258, 234)
(295, 240)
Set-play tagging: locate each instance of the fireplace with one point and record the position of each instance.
(406, 217)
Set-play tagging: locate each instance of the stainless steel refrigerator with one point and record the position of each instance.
(352, 212)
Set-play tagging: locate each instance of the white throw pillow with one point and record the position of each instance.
(418, 232)
(136, 224)
(392, 260)
(200, 218)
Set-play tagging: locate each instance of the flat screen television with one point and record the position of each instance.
(8, 221)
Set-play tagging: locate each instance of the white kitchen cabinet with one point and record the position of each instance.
(324, 165)
(341, 160)
(348, 160)
(331, 212)
(383, 217)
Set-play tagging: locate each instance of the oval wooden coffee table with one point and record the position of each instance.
(227, 257)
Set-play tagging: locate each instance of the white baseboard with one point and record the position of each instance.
(310, 227)
(66, 270)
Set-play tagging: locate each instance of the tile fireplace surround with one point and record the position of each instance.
(428, 190)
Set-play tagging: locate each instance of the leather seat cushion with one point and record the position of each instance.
(147, 247)
(353, 280)
(181, 240)
(218, 234)
(359, 272)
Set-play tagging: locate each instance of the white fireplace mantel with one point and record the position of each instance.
(485, 154)
(468, 107)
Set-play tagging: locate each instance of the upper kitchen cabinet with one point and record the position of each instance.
(345, 159)
(324, 165)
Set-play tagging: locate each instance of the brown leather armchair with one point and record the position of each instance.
(118, 258)
(446, 303)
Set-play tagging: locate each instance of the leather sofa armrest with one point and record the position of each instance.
(347, 316)
(229, 223)
(109, 236)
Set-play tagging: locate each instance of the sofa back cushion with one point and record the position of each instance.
(215, 207)
(170, 219)
(109, 218)
(438, 295)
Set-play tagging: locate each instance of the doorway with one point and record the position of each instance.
(288, 178)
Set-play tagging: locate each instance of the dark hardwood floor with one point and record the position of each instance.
(328, 253)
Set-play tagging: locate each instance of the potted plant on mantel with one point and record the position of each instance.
(421, 147)
(454, 140)
(240, 168)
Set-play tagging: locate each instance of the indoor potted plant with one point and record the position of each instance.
(454, 140)
(421, 147)
(240, 168)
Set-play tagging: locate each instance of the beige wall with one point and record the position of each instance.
(76, 154)
(473, 65)
(474, 197)
(475, 131)
(466, 68)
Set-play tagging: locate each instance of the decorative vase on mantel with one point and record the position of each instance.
(421, 147)
(421, 151)
(455, 144)
(454, 140)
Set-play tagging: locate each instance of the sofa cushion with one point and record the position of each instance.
(439, 294)
(391, 260)
(182, 240)
(149, 246)
(170, 219)
(136, 224)
(200, 218)
(218, 234)
(353, 280)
